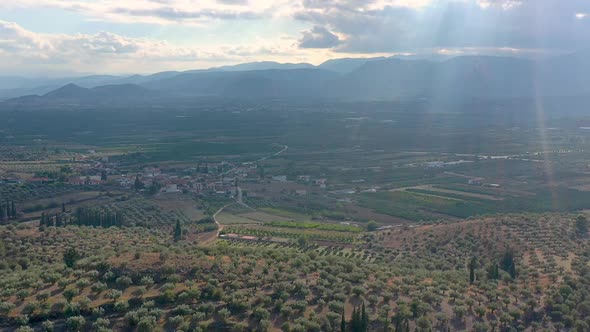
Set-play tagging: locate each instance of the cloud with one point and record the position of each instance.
(173, 14)
(110, 52)
(405, 26)
(318, 37)
(363, 26)
(233, 2)
(157, 11)
(297, 31)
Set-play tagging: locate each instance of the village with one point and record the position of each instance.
(203, 179)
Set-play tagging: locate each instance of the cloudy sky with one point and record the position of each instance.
(143, 36)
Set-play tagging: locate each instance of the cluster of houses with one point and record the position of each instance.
(206, 178)
(307, 179)
(189, 180)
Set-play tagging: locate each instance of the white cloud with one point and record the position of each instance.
(111, 52)
(307, 30)
(406, 26)
(318, 37)
(158, 11)
(106, 52)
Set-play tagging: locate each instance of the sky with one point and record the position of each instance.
(63, 37)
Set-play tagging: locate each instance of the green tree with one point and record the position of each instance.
(508, 263)
(75, 323)
(494, 272)
(177, 231)
(401, 320)
(70, 293)
(13, 210)
(582, 226)
(423, 324)
(70, 257)
(364, 319)
(138, 185)
(372, 226)
(472, 266)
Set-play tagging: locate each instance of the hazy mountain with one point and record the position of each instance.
(38, 86)
(263, 65)
(72, 93)
(346, 65)
(13, 82)
(254, 84)
(458, 78)
(393, 78)
(468, 76)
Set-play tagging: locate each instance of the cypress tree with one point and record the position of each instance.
(364, 319)
(512, 271)
(472, 266)
(42, 221)
(177, 231)
(353, 320)
(508, 264)
(343, 323)
(13, 210)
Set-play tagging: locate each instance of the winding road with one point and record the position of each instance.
(239, 198)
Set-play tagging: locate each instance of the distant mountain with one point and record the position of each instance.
(461, 77)
(39, 86)
(140, 79)
(69, 91)
(263, 65)
(13, 82)
(347, 65)
(72, 93)
(438, 80)
(248, 84)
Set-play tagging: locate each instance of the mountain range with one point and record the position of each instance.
(462, 77)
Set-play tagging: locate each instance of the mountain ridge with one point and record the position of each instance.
(462, 77)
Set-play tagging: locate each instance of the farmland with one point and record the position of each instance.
(274, 217)
(115, 282)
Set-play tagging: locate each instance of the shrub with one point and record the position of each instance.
(98, 287)
(147, 324)
(75, 323)
(100, 323)
(6, 307)
(124, 282)
(121, 306)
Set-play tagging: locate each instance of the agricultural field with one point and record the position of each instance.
(301, 235)
(141, 278)
(433, 204)
(28, 193)
(428, 228)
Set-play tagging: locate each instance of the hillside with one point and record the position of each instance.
(72, 93)
(408, 278)
(452, 80)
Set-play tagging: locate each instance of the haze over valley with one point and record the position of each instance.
(295, 166)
